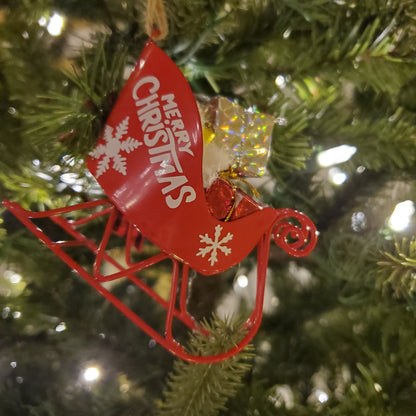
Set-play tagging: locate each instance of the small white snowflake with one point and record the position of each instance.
(113, 147)
(214, 245)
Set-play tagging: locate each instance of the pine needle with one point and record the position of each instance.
(203, 389)
(74, 118)
(397, 269)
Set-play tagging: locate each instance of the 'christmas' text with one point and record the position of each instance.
(164, 134)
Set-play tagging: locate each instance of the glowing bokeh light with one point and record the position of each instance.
(12, 276)
(15, 278)
(280, 81)
(402, 214)
(91, 374)
(336, 155)
(321, 396)
(55, 25)
(242, 281)
(17, 315)
(42, 21)
(60, 327)
(358, 221)
(337, 176)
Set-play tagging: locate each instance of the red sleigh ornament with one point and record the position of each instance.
(149, 163)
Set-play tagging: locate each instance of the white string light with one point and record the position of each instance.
(242, 281)
(321, 396)
(337, 176)
(402, 214)
(280, 81)
(91, 374)
(336, 155)
(55, 25)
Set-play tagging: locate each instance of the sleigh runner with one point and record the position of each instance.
(149, 164)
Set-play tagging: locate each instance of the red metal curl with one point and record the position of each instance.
(298, 238)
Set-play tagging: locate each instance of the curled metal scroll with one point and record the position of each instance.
(294, 232)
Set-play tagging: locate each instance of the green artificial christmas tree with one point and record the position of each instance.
(339, 326)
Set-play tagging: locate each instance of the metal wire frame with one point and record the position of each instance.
(96, 278)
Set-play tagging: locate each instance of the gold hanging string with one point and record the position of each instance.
(156, 21)
(232, 174)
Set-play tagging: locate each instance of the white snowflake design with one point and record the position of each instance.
(113, 147)
(214, 245)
